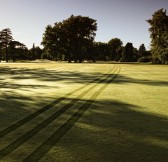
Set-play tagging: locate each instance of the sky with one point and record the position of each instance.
(124, 19)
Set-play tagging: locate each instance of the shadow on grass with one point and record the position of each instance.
(110, 130)
(47, 75)
(70, 77)
(113, 131)
(122, 79)
(17, 99)
(13, 107)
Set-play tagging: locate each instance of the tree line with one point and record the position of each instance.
(11, 49)
(73, 40)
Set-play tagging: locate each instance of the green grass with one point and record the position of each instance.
(83, 112)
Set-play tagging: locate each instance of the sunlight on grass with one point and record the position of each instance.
(157, 142)
(83, 112)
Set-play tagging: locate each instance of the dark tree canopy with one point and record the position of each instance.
(115, 45)
(71, 38)
(16, 50)
(141, 50)
(159, 36)
(35, 52)
(115, 42)
(128, 53)
(102, 51)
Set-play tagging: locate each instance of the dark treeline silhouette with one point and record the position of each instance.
(69, 39)
(11, 50)
(73, 40)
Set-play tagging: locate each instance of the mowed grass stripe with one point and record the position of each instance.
(18, 142)
(40, 152)
(45, 108)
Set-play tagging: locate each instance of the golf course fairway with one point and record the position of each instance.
(97, 112)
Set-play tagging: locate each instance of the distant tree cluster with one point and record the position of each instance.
(14, 50)
(9, 48)
(115, 51)
(73, 40)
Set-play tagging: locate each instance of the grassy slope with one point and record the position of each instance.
(128, 120)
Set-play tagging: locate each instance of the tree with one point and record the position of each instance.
(159, 36)
(14, 48)
(115, 44)
(143, 55)
(22, 53)
(35, 52)
(71, 37)
(51, 40)
(102, 51)
(128, 53)
(5, 39)
(38, 52)
(141, 50)
(0, 51)
(91, 52)
(119, 53)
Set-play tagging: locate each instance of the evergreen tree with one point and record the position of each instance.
(141, 50)
(159, 36)
(5, 39)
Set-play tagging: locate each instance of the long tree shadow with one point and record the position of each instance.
(111, 131)
(12, 78)
(25, 137)
(48, 75)
(70, 77)
(15, 106)
(122, 79)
